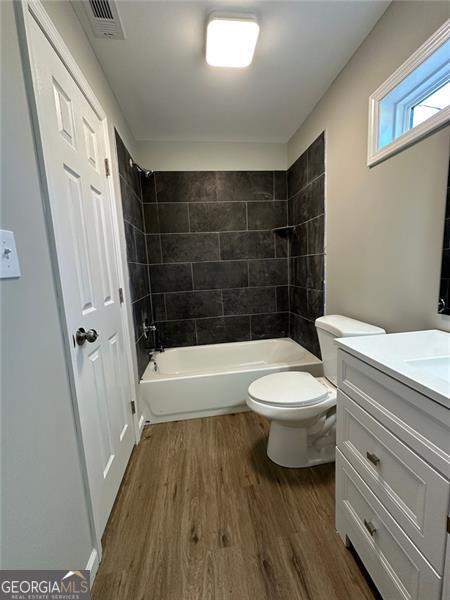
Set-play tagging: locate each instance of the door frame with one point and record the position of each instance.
(34, 9)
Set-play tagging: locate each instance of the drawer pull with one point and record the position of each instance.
(370, 527)
(373, 458)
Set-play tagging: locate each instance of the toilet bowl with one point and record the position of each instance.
(302, 408)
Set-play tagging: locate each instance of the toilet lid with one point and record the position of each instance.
(288, 388)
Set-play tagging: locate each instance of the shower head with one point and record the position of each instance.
(145, 172)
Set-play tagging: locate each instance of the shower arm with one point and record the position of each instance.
(139, 169)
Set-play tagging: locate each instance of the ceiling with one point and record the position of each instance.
(168, 93)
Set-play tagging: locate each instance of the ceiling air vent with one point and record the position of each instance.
(104, 18)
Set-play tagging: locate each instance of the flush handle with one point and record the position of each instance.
(370, 527)
(373, 458)
(83, 336)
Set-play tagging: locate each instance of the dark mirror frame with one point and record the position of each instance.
(444, 290)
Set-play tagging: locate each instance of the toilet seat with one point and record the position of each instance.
(290, 389)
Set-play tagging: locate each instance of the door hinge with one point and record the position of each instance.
(133, 407)
(121, 295)
(107, 167)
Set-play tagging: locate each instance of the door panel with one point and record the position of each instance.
(74, 147)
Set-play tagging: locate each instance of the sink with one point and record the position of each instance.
(419, 359)
(438, 366)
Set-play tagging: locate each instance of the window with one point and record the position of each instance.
(414, 101)
(430, 105)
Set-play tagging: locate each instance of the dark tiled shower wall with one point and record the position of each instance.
(139, 282)
(218, 273)
(306, 193)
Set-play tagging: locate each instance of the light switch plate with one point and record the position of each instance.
(9, 261)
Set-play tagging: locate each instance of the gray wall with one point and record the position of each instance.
(384, 224)
(217, 272)
(44, 515)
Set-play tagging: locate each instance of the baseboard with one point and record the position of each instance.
(92, 565)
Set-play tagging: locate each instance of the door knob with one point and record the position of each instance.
(83, 336)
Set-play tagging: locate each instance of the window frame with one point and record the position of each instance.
(403, 109)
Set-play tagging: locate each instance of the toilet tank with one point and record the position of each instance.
(331, 327)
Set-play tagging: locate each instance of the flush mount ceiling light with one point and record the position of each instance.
(231, 40)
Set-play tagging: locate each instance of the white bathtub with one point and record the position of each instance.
(201, 381)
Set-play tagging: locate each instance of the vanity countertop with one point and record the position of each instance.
(419, 359)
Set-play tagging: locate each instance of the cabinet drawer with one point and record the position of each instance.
(398, 569)
(424, 425)
(414, 493)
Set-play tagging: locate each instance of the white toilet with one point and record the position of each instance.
(302, 408)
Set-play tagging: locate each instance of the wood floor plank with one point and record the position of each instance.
(203, 514)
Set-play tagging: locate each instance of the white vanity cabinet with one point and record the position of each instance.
(393, 473)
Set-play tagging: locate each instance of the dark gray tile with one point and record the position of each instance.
(131, 206)
(280, 185)
(283, 298)
(142, 356)
(138, 281)
(177, 333)
(236, 186)
(317, 197)
(315, 271)
(447, 233)
(445, 265)
(270, 271)
(194, 305)
(246, 244)
(304, 333)
(213, 275)
(148, 189)
(130, 242)
(444, 294)
(221, 330)
(299, 271)
(297, 176)
(173, 217)
(316, 234)
(141, 313)
(267, 215)
(298, 300)
(159, 307)
(219, 216)
(141, 250)
(171, 277)
(153, 248)
(299, 240)
(269, 326)
(281, 245)
(245, 301)
(190, 247)
(151, 218)
(300, 207)
(316, 157)
(315, 304)
(186, 186)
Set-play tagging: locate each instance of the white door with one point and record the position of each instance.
(74, 148)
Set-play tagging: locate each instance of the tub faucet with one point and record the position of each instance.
(158, 343)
